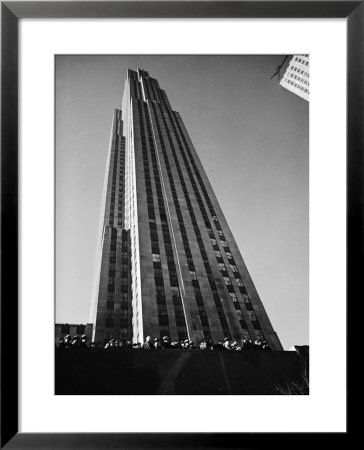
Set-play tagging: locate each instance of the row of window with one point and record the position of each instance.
(161, 301)
(118, 144)
(302, 61)
(123, 321)
(199, 239)
(298, 86)
(302, 80)
(296, 69)
(187, 249)
(213, 287)
(214, 217)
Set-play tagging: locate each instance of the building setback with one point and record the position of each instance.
(167, 262)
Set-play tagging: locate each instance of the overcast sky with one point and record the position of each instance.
(252, 137)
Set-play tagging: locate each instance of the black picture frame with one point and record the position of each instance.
(11, 12)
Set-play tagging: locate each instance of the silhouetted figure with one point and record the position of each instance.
(265, 346)
(83, 342)
(75, 341)
(166, 342)
(209, 343)
(248, 344)
(110, 344)
(65, 342)
(226, 344)
(148, 344)
(257, 345)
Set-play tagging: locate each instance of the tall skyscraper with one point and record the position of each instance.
(167, 262)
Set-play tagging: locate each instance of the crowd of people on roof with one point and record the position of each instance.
(165, 343)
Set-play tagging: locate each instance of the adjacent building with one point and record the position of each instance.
(62, 329)
(167, 262)
(297, 78)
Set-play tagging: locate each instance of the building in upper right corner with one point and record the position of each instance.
(296, 78)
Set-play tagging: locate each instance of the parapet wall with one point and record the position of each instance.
(181, 372)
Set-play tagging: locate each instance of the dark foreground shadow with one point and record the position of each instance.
(168, 372)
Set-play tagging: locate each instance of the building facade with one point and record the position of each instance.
(167, 261)
(62, 329)
(296, 77)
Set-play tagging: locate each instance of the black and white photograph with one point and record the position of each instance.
(182, 200)
(181, 220)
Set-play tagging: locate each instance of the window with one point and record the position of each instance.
(233, 296)
(229, 255)
(213, 241)
(224, 243)
(111, 273)
(156, 257)
(245, 326)
(239, 282)
(110, 304)
(164, 330)
(242, 289)
(158, 273)
(80, 329)
(190, 261)
(109, 323)
(162, 310)
(124, 288)
(217, 253)
(161, 299)
(160, 290)
(65, 328)
(234, 268)
(193, 275)
(124, 306)
(249, 306)
(227, 281)
(252, 315)
(259, 334)
(163, 320)
(204, 321)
